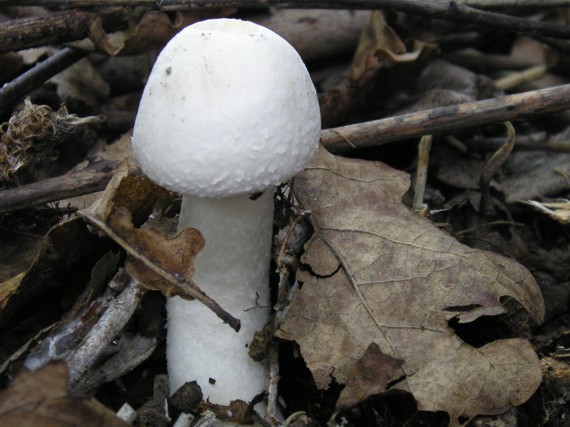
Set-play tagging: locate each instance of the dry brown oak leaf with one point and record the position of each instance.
(40, 399)
(373, 312)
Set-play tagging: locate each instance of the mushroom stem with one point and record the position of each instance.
(233, 268)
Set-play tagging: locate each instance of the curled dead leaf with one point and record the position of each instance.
(379, 47)
(134, 192)
(158, 261)
(174, 255)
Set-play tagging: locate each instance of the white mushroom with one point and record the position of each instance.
(229, 110)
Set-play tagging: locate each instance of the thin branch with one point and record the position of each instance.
(35, 77)
(482, 4)
(476, 60)
(486, 207)
(74, 25)
(113, 320)
(447, 10)
(513, 80)
(422, 172)
(89, 180)
(447, 119)
(57, 27)
(561, 45)
(72, 4)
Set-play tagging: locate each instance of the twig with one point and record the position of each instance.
(494, 4)
(495, 162)
(19, 87)
(513, 80)
(447, 119)
(56, 27)
(80, 348)
(453, 11)
(483, 4)
(421, 177)
(89, 180)
(272, 416)
(561, 45)
(111, 323)
(467, 14)
(128, 352)
(69, 4)
(474, 59)
(532, 141)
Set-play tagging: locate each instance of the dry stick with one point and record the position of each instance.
(90, 180)
(446, 119)
(474, 59)
(336, 140)
(561, 45)
(516, 79)
(22, 85)
(486, 207)
(493, 4)
(272, 385)
(538, 141)
(57, 27)
(111, 323)
(442, 10)
(422, 172)
(490, 4)
(445, 10)
(128, 353)
(68, 4)
(531, 141)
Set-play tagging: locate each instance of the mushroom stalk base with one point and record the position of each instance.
(233, 269)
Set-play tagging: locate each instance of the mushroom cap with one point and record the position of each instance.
(229, 108)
